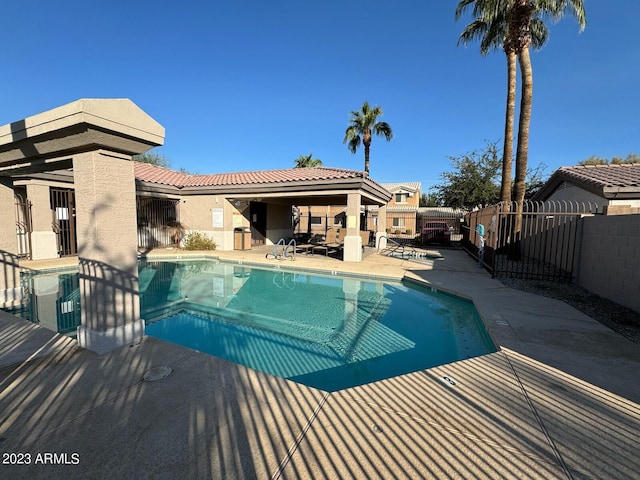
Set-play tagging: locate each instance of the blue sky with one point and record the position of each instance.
(248, 85)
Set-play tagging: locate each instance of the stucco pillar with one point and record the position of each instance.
(107, 250)
(43, 238)
(353, 240)
(10, 291)
(381, 234)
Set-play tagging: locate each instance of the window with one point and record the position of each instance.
(316, 220)
(402, 197)
(398, 221)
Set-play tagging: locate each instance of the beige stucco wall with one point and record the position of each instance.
(107, 250)
(609, 262)
(412, 201)
(197, 213)
(330, 216)
(569, 192)
(278, 223)
(633, 203)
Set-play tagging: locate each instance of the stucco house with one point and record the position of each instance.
(614, 188)
(402, 209)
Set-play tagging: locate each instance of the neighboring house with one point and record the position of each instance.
(614, 188)
(402, 209)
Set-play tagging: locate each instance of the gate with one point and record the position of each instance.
(158, 222)
(24, 226)
(64, 221)
(543, 249)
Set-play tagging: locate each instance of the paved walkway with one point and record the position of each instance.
(559, 400)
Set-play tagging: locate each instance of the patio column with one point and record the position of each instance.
(107, 250)
(10, 291)
(43, 239)
(381, 233)
(353, 241)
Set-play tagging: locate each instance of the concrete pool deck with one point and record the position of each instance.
(560, 399)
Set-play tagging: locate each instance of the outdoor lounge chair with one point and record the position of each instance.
(365, 235)
(331, 242)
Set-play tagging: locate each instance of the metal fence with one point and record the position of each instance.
(63, 222)
(24, 226)
(543, 247)
(312, 224)
(158, 222)
(307, 225)
(407, 227)
(404, 227)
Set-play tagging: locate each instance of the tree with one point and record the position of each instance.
(304, 161)
(631, 158)
(153, 158)
(363, 125)
(536, 178)
(474, 181)
(593, 160)
(429, 200)
(490, 26)
(519, 36)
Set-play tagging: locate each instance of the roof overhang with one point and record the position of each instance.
(295, 192)
(599, 188)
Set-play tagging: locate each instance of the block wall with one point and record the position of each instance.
(609, 261)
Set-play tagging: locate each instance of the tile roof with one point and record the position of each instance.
(622, 175)
(153, 174)
(415, 186)
(402, 208)
(608, 181)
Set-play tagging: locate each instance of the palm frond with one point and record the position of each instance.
(383, 129)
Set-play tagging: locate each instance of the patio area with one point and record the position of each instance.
(560, 399)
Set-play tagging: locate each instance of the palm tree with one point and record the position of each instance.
(520, 24)
(490, 27)
(304, 161)
(520, 15)
(363, 124)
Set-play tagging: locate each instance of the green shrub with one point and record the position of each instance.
(198, 241)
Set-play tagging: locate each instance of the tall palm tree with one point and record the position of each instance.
(363, 124)
(519, 37)
(490, 27)
(304, 161)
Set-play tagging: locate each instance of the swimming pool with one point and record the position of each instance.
(326, 331)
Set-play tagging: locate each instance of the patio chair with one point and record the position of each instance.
(365, 235)
(331, 242)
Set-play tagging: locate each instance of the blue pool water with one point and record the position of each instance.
(329, 332)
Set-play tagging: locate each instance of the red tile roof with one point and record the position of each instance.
(153, 174)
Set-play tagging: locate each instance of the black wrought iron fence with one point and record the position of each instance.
(63, 222)
(538, 242)
(24, 226)
(158, 222)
